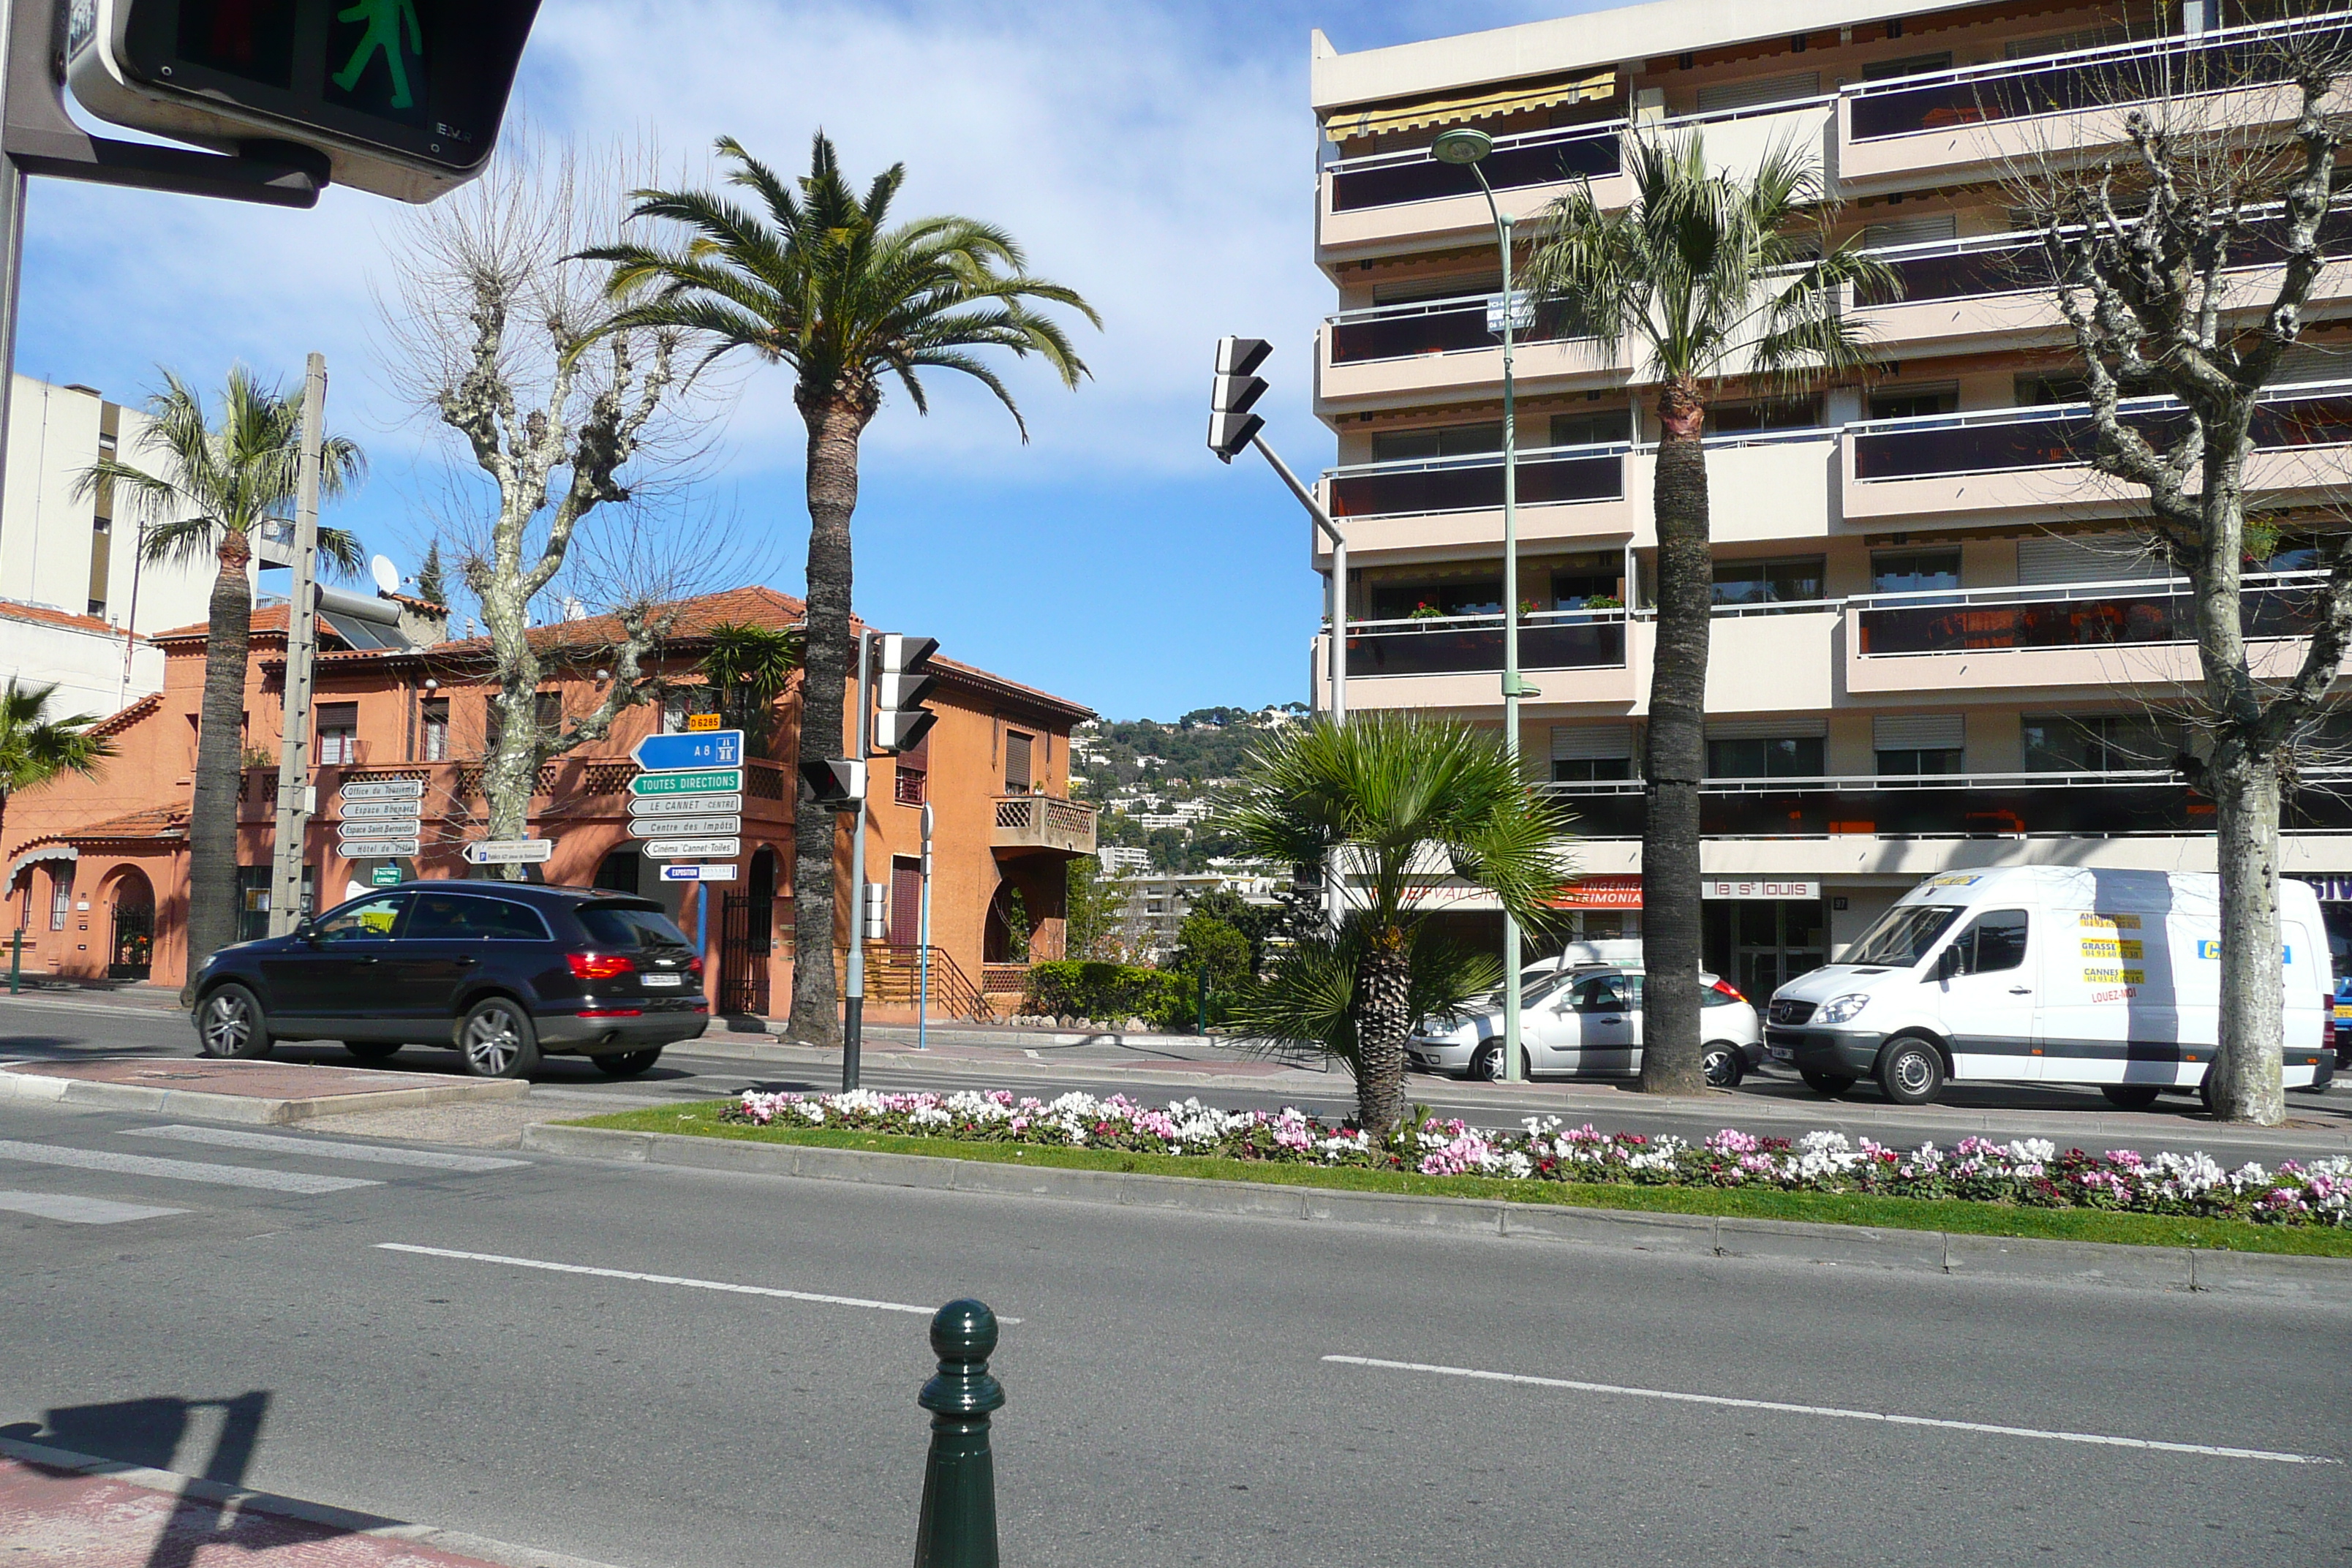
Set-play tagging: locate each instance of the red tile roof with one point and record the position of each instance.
(267, 619)
(129, 716)
(156, 823)
(43, 615)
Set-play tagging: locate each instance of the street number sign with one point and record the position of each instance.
(376, 849)
(694, 848)
(684, 804)
(370, 810)
(655, 828)
(707, 780)
(690, 872)
(674, 753)
(508, 851)
(381, 789)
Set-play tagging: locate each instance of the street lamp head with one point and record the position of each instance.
(1461, 145)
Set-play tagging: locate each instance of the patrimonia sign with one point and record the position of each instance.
(705, 781)
(508, 851)
(676, 753)
(376, 849)
(694, 873)
(383, 789)
(683, 804)
(694, 848)
(654, 826)
(371, 810)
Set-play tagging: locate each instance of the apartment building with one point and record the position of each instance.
(1939, 644)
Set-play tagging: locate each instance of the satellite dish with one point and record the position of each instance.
(387, 576)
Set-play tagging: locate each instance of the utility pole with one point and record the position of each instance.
(853, 1006)
(296, 797)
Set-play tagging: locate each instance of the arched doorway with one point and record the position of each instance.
(131, 949)
(746, 937)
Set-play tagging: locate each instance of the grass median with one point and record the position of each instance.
(1959, 1215)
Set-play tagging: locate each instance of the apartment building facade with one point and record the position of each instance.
(1939, 642)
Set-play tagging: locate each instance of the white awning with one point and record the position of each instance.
(34, 856)
(1377, 120)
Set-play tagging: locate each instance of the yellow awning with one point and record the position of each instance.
(1516, 99)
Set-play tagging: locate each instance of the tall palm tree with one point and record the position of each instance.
(205, 487)
(1713, 277)
(819, 279)
(37, 746)
(1393, 802)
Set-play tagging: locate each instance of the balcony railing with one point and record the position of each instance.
(1044, 822)
(1948, 806)
(2111, 76)
(2087, 615)
(1424, 326)
(1530, 158)
(2004, 440)
(1546, 476)
(1461, 645)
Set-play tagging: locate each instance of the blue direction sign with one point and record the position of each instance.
(672, 753)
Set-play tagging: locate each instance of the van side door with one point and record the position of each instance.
(1987, 987)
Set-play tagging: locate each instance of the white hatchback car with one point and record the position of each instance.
(1588, 1023)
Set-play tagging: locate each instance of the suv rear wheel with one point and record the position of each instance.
(497, 1040)
(230, 1022)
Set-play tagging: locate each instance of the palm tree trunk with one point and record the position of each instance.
(220, 759)
(1382, 1024)
(834, 424)
(1676, 756)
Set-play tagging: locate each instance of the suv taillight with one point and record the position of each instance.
(600, 966)
(693, 967)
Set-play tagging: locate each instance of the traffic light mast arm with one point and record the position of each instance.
(1305, 498)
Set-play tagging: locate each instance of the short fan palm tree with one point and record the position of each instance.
(1392, 803)
(1712, 278)
(36, 745)
(818, 279)
(750, 667)
(200, 489)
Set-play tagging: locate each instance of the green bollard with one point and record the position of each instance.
(16, 959)
(958, 1528)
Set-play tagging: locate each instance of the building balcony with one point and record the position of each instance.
(1043, 825)
(1953, 125)
(1402, 356)
(2030, 465)
(2083, 636)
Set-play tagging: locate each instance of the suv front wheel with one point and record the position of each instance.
(230, 1022)
(497, 1040)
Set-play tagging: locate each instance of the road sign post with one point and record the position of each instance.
(693, 849)
(701, 781)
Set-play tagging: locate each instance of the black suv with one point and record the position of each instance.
(503, 971)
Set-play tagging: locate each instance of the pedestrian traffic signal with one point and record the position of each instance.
(835, 781)
(1231, 424)
(906, 678)
(403, 97)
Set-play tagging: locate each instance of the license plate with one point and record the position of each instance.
(1780, 1053)
(665, 979)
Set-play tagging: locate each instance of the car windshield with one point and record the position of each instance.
(629, 926)
(1903, 935)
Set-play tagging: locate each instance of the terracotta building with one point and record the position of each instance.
(96, 872)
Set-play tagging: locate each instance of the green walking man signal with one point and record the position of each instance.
(384, 19)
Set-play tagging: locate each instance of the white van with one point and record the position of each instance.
(2046, 974)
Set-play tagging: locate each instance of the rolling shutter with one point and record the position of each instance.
(1803, 727)
(1911, 230)
(1590, 742)
(1760, 90)
(2086, 558)
(1918, 733)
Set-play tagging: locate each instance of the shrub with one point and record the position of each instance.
(1112, 993)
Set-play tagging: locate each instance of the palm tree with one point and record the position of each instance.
(36, 747)
(1713, 276)
(818, 280)
(1393, 802)
(750, 667)
(209, 487)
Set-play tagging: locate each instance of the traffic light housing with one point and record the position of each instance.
(905, 679)
(1235, 388)
(835, 781)
(403, 97)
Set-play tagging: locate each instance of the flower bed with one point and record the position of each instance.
(2029, 1171)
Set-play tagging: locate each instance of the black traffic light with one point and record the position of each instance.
(906, 678)
(835, 781)
(1230, 423)
(403, 97)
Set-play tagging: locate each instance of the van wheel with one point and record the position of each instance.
(2129, 1096)
(1723, 1066)
(1911, 1071)
(1830, 1083)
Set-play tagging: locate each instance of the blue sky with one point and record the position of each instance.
(1157, 157)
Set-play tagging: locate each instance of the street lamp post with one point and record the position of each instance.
(1468, 148)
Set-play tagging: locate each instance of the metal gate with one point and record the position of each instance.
(134, 942)
(743, 944)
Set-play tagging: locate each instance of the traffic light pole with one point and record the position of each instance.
(923, 942)
(853, 1006)
(294, 803)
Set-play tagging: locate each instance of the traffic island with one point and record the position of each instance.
(263, 1092)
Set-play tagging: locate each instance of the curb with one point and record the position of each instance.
(81, 1092)
(457, 1542)
(2273, 1275)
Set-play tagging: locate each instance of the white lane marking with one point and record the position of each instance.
(2100, 1439)
(326, 1149)
(178, 1170)
(721, 1285)
(74, 1210)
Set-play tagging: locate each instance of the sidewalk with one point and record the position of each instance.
(61, 1510)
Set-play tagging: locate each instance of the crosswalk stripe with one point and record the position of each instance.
(326, 1149)
(178, 1170)
(74, 1210)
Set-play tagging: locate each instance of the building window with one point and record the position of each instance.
(1916, 402)
(1909, 762)
(680, 701)
(1425, 600)
(1016, 762)
(1913, 571)
(339, 734)
(1599, 427)
(1591, 770)
(548, 715)
(432, 726)
(1792, 757)
(913, 774)
(2097, 743)
(1795, 580)
(1448, 441)
(1764, 414)
(1579, 581)
(60, 898)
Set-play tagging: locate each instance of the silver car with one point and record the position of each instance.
(1587, 1023)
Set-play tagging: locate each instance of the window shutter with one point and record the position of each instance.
(1590, 742)
(1016, 763)
(1758, 89)
(1911, 230)
(1919, 731)
(1804, 727)
(2086, 558)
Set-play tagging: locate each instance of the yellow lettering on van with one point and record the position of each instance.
(2112, 922)
(2114, 976)
(2112, 947)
